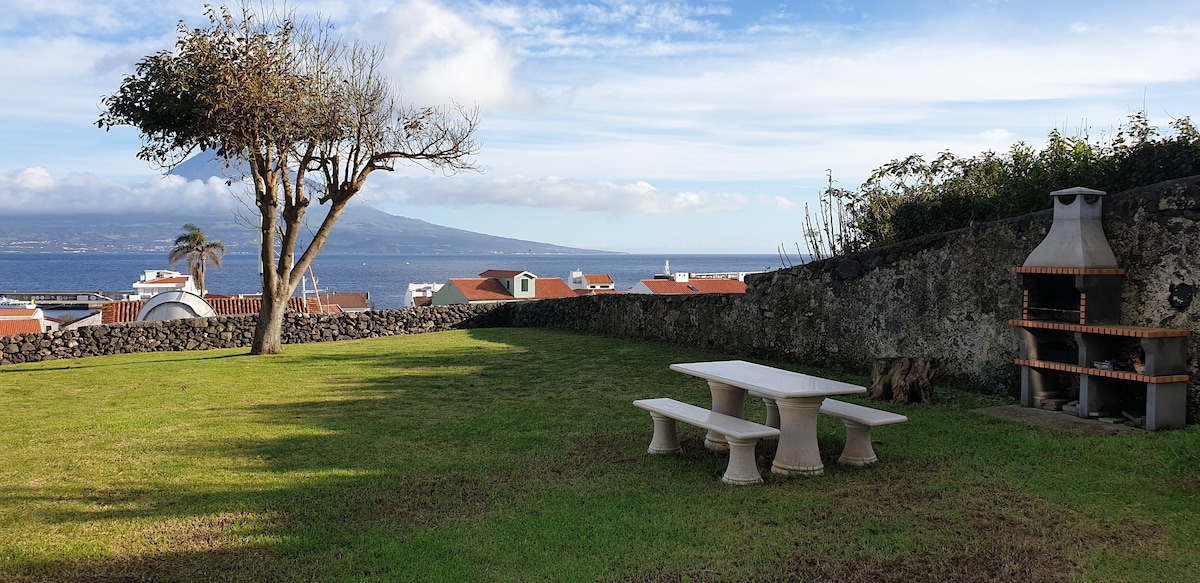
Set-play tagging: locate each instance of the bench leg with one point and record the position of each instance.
(665, 439)
(742, 469)
(729, 400)
(858, 451)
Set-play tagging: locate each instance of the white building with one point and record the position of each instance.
(591, 281)
(157, 281)
(420, 294)
(24, 320)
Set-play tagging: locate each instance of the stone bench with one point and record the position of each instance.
(859, 420)
(741, 435)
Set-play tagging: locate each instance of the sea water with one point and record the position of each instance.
(384, 277)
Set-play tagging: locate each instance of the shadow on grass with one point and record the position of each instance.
(47, 366)
(521, 452)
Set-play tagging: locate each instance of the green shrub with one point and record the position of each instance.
(910, 197)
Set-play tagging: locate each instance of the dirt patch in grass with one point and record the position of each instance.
(244, 564)
(910, 524)
(200, 548)
(1192, 483)
(904, 525)
(606, 448)
(424, 502)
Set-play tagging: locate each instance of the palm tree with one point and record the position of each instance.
(197, 250)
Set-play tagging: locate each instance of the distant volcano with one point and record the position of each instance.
(361, 229)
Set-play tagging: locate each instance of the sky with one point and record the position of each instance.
(642, 127)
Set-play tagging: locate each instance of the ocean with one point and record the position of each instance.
(385, 277)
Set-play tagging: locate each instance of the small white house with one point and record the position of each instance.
(420, 294)
(590, 281)
(157, 281)
(24, 320)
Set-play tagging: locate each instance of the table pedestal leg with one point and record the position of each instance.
(729, 400)
(798, 452)
(772, 412)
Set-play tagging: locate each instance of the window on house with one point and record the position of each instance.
(524, 285)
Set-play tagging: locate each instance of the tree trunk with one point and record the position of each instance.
(902, 380)
(268, 331)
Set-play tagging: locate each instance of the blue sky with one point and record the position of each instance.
(652, 127)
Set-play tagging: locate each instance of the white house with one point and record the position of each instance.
(688, 284)
(593, 282)
(420, 294)
(498, 285)
(157, 281)
(23, 320)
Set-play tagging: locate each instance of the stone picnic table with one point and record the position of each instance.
(798, 399)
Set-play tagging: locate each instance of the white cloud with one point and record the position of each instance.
(550, 193)
(999, 137)
(435, 55)
(36, 190)
(783, 203)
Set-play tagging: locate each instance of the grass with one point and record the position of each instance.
(515, 455)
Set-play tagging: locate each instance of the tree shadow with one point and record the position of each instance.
(437, 441)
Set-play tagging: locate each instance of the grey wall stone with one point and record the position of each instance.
(947, 297)
(234, 332)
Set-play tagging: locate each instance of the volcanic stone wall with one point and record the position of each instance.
(233, 332)
(948, 297)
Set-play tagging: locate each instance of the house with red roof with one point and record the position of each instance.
(684, 284)
(497, 285)
(346, 302)
(23, 320)
(157, 281)
(591, 282)
(128, 310)
(420, 294)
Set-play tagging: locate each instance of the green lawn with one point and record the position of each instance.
(515, 455)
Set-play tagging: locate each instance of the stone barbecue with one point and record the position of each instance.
(1070, 328)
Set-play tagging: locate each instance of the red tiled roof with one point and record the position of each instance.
(13, 327)
(695, 286)
(18, 312)
(479, 289)
(597, 278)
(553, 287)
(166, 280)
(500, 273)
(248, 306)
(116, 312)
(127, 311)
(348, 300)
(422, 301)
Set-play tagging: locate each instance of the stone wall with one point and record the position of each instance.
(233, 332)
(947, 297)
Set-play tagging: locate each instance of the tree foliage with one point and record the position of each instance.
(311, 115)
(912, 196)
(194, 247)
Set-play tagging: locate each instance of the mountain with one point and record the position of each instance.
(361, 229)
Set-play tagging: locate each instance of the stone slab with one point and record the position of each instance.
(1054, 420)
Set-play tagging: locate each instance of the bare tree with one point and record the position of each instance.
(310, 114)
